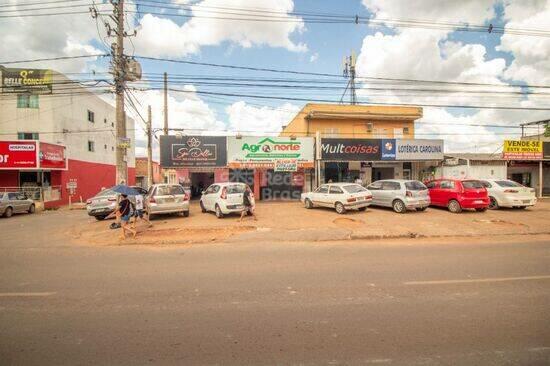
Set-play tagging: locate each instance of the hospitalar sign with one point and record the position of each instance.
(52, 156)
(350, 149)
(419, 150)
(522, 150)
(193, 151)
(268, 152)
(18, 155)
(32, 81)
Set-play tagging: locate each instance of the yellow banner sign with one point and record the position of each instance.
(522, 150)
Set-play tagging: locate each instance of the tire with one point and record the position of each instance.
(8, 212)
(340, 209)
(421, 208)
(219, 213)
(308, 204)
(399, 206)
(493, 203)
(362, 208)
(482, 209)
(31, 209)
(454, 206)
(100, 217)
(203, 209)
(185, 213)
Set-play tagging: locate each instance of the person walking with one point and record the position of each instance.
(125, 211)
(249, 204)
(140, 213)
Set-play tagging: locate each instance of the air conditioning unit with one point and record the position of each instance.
(370, 127)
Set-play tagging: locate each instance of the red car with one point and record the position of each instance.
(457, 194)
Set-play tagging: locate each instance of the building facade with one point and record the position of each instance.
(142, 174)
(62, 114)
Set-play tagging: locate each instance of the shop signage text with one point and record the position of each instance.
(193, 151)
(286, 165)
(52, 156)
(419, 149)
(522, 150)
(265, 152)
(18, 155)
(350, 149)
(32, 81)
(388, 149)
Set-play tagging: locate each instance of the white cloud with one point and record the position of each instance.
(314, 57)
(164, 37)
(247, 118)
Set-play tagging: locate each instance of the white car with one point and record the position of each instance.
(340, 196)
(507, 193)
(223, 198)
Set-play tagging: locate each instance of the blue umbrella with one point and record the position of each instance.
(124, 189)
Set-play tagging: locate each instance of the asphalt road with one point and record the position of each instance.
(261, 303)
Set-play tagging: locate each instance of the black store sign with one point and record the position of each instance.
(350, 149)
(193, 151)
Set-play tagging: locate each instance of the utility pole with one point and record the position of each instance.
(165, 103)
(119, 64)
(349, 72)
(149, 148)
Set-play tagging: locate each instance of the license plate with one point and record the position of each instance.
(478, 201)
(360, 198)
(239, 206)
(526, 201)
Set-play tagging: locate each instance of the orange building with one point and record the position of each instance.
(141, 172)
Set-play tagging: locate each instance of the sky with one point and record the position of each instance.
(383, 48)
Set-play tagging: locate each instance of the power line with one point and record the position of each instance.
(53, 58)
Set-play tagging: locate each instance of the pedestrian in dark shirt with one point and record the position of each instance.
(248, 204)
(125, 211)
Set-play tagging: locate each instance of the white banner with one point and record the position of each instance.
(264, 151)
(419, 149)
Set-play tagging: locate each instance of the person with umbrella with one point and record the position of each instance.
(124, 209)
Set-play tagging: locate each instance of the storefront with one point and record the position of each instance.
(274, 167)
(528, 164)
(369, 160)
(32, 167)
(198, 161)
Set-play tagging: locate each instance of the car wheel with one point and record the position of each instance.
(100, 217)
(32, 209)
(454, 206)
(421, 208)
(203, 209)
(308, 203)
(493, 204)
(8, 212)
(340, 209)
(482, 209)
(399, 206)
(185, 213)
(219, 213)
(362, 208)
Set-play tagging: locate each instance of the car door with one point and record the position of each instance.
(433, 192)
(210, 196)
(179, 196)
(335, 194)
(389, 192)
(320, 196)
(446, 192)
(376, 189)
(14, 202)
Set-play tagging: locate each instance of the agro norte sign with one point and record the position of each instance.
(33, 81)
(18, 155)
(522, 150)
(264, 152)
(193, 151)
(419, 150)
(350, 149)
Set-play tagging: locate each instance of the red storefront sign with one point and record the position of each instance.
(52, 156)
(18, 155)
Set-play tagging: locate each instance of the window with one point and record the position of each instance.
(27, 135)
(431, 184)
(415, 186)
(91, 116)
(27, 101)
(446, 184)
(322, 189)
(472, 184)
(508, 183)
(331, 132)
(335, 190)
(176, 190)
(405, 130)
(91, 146)
(105, 120)
(370, 127)
(485, 184)
(391, 186)
(212, 189)
(236, 188)
(354, 188)
(105, 146)
(376, 186)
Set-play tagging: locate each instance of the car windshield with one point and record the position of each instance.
(508, 183)
(472, 184)
(235, 188)
(354, 188)
(415, 186)
(106, 192)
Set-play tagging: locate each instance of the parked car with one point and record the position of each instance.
(340, 196)
(15, 202)
(507, 193)
(400, 194)
(223, 198)
(103, 203)
(458, 194)
(166, 199)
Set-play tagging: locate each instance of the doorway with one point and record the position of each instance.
(199, 182)
(382, 173)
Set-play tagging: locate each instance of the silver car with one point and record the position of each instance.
(15, 202)
(400, 194)
(103, 203)
(167, 198)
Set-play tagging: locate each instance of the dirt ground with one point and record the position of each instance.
(290, 221)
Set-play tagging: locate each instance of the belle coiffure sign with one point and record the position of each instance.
(193, 151)
(33, 81)
(522, 150)
(281, 153)
(341, 149)
(18, 155)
